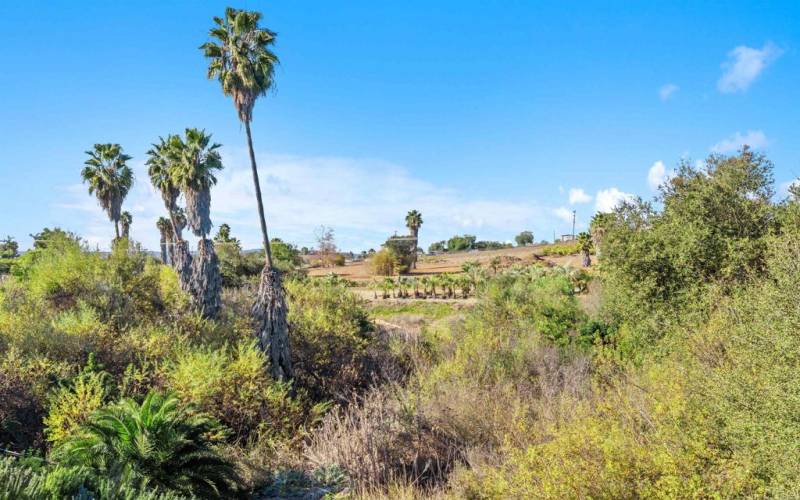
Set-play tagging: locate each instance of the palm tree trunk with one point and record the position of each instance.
(262, 219)
(272, 327)
(163, 243)
(269, 309)
(206, 283)
(116, 228)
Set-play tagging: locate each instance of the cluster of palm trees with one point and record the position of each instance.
(185, 166)
(241, 58)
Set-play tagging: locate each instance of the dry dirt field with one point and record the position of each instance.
(451, 262)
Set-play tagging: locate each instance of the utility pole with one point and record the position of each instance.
(573, 224)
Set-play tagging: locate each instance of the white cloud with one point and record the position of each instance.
(563, 213)
(658, 175)
(783, 190)
(666, 91)
(756, 139)
(578, 195)
(744, 65)
(363, 200)
(608, 199)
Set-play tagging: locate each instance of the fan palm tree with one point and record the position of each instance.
(193, 161)
(158, 168)
(163, 224)
(125, 221)
(241, 59)
(157, 443)
(597, 228)
(109, 179)
(585, 246)
(413, 223)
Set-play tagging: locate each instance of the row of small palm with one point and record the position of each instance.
(438, 286)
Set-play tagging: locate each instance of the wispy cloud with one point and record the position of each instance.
(578, 196)
(364, 200)
(658, 175)
(756, 139)
(667, 90)
(608, 199)
(744, 65)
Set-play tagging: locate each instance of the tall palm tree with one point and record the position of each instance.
(241, 59)
(156, 443)
(125, 221)
(597, 228)
(413, 223)
(160, 161)
(158, 168)
(109, 179)
(193, 161)
(163, 224)
(585, 247)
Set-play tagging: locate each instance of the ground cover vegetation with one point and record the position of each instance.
(681, 383)
(668, 369)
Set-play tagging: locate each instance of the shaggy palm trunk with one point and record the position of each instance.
(116, 229)
(163, 243)
(586, 259)
(182, 260)
(170, 250)
(198, 203)
(269, 314)
(206, 281)
(269, 309)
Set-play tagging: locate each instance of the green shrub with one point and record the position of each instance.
(384, 263)
(330, 335)
(234, 386)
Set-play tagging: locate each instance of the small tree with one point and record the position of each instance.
(457, 243)
(384, 263)
(8, 248)
(326, 245)
(524, 238)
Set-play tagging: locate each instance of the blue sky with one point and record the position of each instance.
(488, 117)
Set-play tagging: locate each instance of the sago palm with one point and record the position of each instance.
(109, 179)
(240, 57)
(156, 443)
